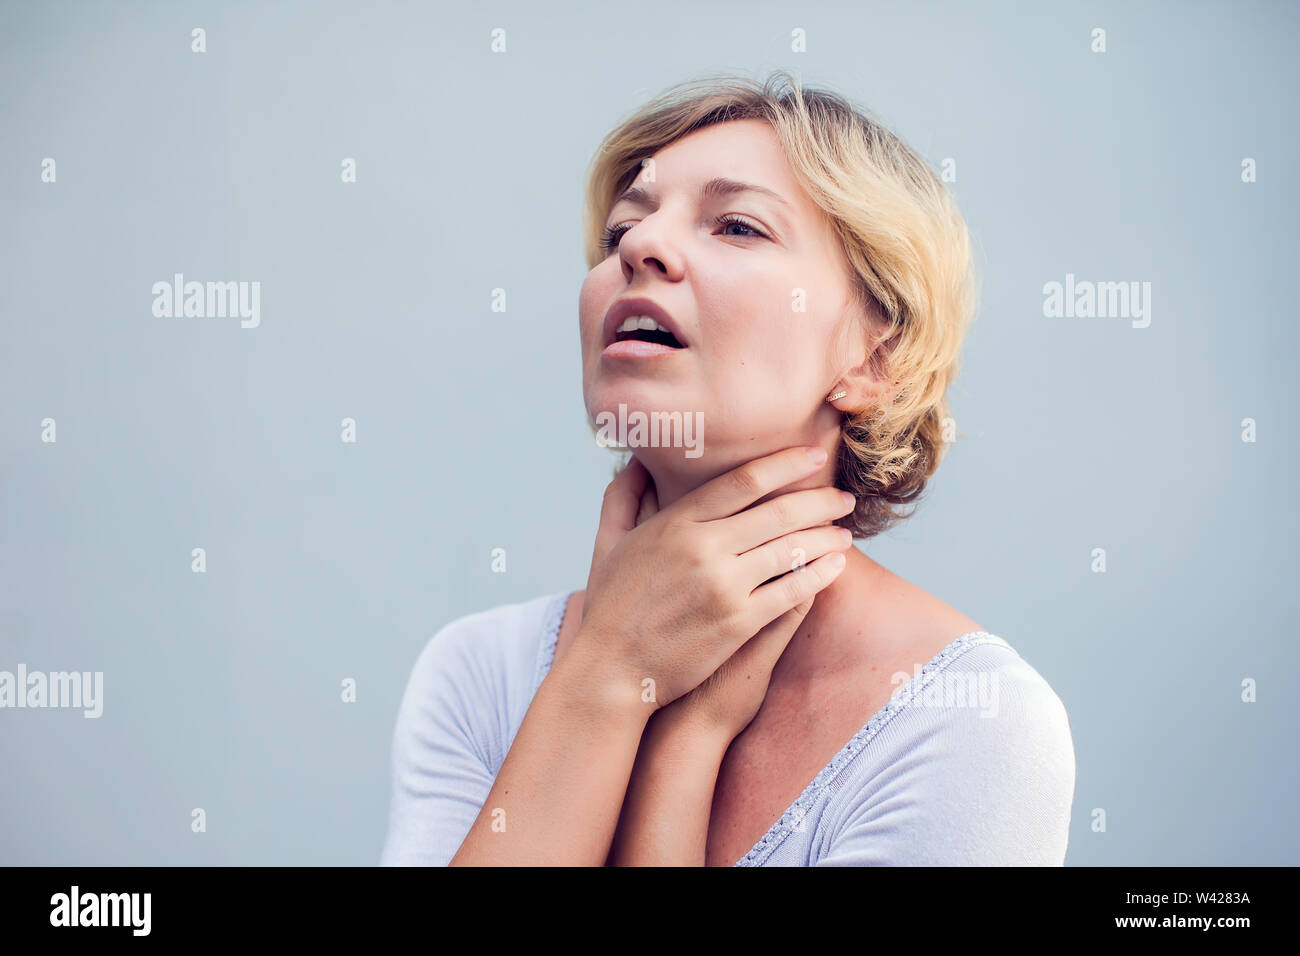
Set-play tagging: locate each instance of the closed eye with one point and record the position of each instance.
(609, 241)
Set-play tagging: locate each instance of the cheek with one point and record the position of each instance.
(754, 321)
(764, 349)
(598, 289)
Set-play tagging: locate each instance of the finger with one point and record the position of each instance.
(792, 511)
(758, 657)
(619, 509)
(739, 488)
(774, 599)
(792, 552)
(649, 503)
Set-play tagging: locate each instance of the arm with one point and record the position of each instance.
(665, 819)
(665, 815)
(454, 733)
(700, 570)
(557, 797)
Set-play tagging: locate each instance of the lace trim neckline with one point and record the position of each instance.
(792, 818)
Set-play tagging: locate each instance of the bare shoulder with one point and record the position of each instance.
(910, 612)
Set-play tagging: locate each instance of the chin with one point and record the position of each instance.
(641, 395)
(650, 420)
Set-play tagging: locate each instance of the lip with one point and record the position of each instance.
(624, 308)
(636, 349)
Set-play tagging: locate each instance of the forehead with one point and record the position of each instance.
(746, 150)
(748, 144)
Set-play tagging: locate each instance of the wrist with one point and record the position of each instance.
(605, 684)
(690, 730)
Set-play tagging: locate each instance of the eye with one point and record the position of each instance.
(734, 220)
(610, 238)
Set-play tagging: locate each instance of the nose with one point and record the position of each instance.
(648, 247)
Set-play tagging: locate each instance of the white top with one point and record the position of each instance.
(971, 762)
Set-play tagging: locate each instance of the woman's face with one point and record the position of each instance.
(755, 287)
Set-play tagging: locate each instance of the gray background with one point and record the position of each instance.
(329, 560)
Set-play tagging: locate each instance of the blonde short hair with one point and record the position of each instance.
(906, 246)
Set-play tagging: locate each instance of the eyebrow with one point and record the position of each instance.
(714, 188)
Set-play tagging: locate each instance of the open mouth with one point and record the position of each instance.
(642, 328)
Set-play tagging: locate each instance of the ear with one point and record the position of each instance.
(867, 383)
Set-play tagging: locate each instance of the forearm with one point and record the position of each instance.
(665, 819)
(556, 799)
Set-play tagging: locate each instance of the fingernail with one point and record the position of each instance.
(847, 535)
(837, 560)
(849, 500)
(818, 455)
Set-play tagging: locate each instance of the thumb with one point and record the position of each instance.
(764, 649)
(618, 512)
(649, 503)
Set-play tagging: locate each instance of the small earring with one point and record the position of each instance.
(836, 396)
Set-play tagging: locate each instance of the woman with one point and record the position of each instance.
(738, 684)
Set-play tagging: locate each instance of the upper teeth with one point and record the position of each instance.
(634, 322)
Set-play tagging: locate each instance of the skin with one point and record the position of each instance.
(757, 371)
(729, 289)
(759, 685)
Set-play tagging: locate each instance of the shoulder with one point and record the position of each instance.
(464, 701)
(973, 763)
(992, 705)
(503, 635)
(478, 672)
(976, 685)
(979, 702)
(910, 614)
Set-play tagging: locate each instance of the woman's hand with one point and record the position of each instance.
(729, 698)
(670, 600)
(725, 703)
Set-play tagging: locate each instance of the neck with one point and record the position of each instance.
(675, 475)
(833, 634)
(672, 481)
(822, 643)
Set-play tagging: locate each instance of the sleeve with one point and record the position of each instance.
(442, 750)
(969, 786)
